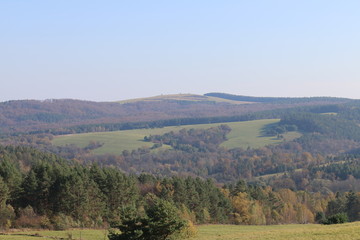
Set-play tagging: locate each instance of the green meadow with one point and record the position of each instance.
(243, 134)
(249, 134)
(349, 231)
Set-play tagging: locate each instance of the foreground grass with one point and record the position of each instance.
(350, 231)
(243, 134)
(88, 234)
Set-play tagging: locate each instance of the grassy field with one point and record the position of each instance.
(281, 232)
(243, 134)
(68, 234)
(248, 134)
(350, 231)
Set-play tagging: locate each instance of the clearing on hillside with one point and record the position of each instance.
(243, 134)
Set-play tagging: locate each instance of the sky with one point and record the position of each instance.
(115, 50)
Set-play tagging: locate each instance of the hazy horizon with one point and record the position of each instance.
(118, 50)
(47, 99)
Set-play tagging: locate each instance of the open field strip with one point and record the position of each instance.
(243, 134)
(349, 231)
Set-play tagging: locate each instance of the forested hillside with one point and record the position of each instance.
(42, 190)
(66, 116)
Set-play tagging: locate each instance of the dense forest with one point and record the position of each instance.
(42, 190)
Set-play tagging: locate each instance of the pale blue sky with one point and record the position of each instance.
(113, 50)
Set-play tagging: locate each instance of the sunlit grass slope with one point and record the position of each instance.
(249, 134)
(350, 231)
(243, 134)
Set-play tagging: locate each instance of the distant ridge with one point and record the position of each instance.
(60, 115)
(188, 97)
(275, 99)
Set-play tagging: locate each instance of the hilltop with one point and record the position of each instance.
(186, 98)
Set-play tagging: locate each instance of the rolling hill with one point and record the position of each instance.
(63, 115)
(186, 98)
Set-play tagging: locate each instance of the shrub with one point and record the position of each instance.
(337, 218)
(320, 217)
(7, 215)
(189, 231)
(28, 218)
(63, 222)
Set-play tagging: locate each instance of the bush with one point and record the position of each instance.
(337, 218)
(189, 231)
(320, 217)
(63, 222)
(7, 215)
(45, 222)
(28, 218)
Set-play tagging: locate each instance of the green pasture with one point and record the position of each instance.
(349, 231)
(249, 134)
(243, 134)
